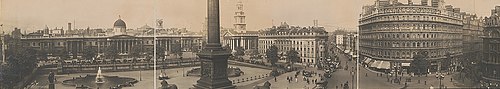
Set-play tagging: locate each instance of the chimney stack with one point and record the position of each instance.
(69, 26)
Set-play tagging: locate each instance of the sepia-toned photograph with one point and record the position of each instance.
(250, 44)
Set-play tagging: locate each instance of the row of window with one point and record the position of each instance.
(408, 54)
(294, 34)
(411, 26)
(412, 10)
(411, 17)
(493, 55)
(94, 43)
(492, 21)
(293, 42)
(416, 44)
(411, 36)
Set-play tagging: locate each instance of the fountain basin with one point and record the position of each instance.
(109, 82)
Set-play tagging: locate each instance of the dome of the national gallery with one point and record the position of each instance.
(120, 24)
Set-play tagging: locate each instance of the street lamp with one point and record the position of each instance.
(352, 79)
(440, 77)
(140, 73)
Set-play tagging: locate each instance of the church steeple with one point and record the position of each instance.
(239, 18)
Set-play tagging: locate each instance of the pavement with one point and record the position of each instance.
(145, 77)
(281, 81)
(369, 79)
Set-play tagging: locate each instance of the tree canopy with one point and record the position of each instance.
(292, 56)
(239, 51)
(20, 62)
(177, 49)
(111, 52)
(136, 51)
(89, 52)
(272, 54)
(160, 51)
(420, 64)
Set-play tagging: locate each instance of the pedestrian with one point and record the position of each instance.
(288, 79)
(275, 80)
(296, 80)
(451, 79)
(366, 74)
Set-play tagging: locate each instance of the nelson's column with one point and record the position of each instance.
(213, 57)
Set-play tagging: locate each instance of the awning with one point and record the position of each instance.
(367, 60)
(405, 64)
(375, 64)
(384, 65)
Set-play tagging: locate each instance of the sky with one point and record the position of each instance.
(31, 15)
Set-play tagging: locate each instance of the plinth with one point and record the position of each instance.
(52, 86)
(214, 70)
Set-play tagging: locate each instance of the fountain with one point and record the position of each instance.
(100, 81)
(99, 77)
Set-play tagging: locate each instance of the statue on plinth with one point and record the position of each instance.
(165, 85)
(52, 79)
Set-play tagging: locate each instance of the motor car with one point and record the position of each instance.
(306, 73)
(129, 60)
(99, 61)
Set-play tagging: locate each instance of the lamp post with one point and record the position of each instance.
(440, 77)
(140, 73)
(352, 79)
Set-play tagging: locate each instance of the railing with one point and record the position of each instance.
(242, 80)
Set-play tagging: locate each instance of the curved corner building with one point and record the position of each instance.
(392, 33)
(490, 64)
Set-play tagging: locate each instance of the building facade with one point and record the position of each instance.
(239, 36)
(473, 29)
(350, 45)
(123, 40)
(490, 63)
(309, 42)
(339, 39)
(392, 33)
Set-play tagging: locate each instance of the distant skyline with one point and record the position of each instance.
(33, 15)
